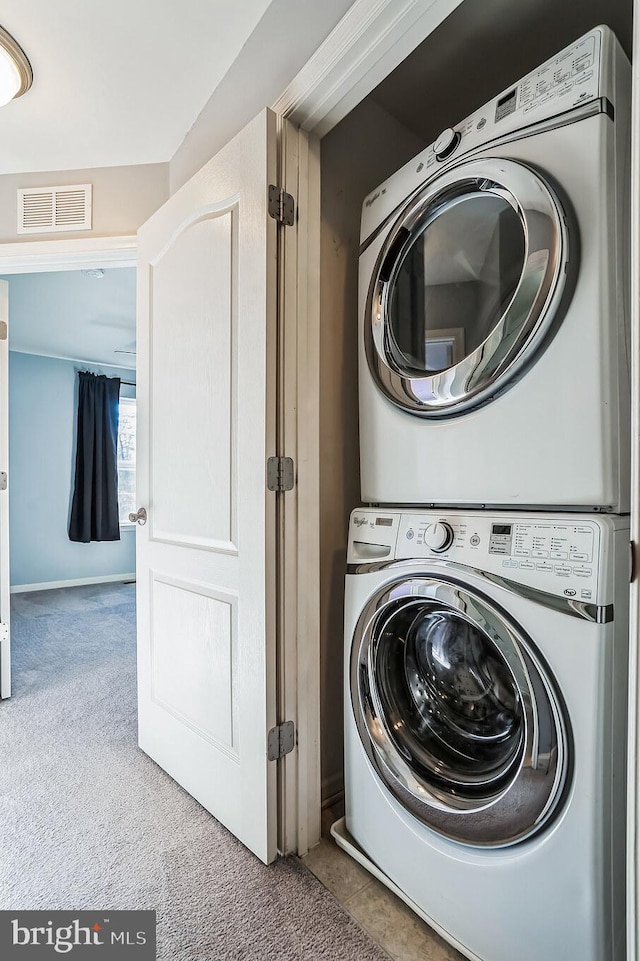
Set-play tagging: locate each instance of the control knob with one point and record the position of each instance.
(439, 536)
(446, 143)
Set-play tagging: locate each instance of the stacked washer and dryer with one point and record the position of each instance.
(487, 588)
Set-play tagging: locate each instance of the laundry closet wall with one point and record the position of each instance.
(360, 152)
(479, 50)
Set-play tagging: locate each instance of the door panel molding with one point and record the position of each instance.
(209, 211)
(224, 598)
(208, 238)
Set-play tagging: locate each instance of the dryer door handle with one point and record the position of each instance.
(371, 550)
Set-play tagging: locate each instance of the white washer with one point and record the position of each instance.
(493, 301)
(485, 724)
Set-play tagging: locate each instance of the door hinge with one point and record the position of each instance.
(282, 206)
(281, 740)
(4, 632)
(280, 474)
(3, 480)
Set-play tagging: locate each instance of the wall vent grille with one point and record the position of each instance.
(45, 210)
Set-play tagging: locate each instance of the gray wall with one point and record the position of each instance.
(285, 38)
(123, 198)
(364, 149)
(42, 413)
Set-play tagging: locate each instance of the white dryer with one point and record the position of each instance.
(485, 723)
(493, 360)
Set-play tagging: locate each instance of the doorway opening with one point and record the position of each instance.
(61, 323)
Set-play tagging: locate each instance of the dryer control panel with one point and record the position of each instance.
(561, 554)
(578, 75)
(569, 79)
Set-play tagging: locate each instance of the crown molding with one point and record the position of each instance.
(372, 38)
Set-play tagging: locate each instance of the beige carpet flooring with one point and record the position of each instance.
(88, 821)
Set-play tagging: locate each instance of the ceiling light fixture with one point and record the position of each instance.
(16, 75)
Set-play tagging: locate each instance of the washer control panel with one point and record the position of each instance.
(558, 554)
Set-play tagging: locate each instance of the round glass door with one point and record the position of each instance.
(456, 713)
(466, 287)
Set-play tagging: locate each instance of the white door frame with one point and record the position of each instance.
(48, 255)
(5, 602)
(36, 256)
(633, 811)
(371, 40)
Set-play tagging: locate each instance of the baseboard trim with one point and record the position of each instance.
(332, 789)
(74, 582)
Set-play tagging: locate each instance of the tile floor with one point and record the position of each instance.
(391, 924)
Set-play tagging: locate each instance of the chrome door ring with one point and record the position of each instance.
(533, 794)
(527, 319)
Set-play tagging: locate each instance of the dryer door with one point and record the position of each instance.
(457, 713)
(466, 287)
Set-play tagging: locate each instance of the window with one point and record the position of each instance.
(126, 459)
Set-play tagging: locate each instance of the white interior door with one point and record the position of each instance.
(5, 635)
(207, 273)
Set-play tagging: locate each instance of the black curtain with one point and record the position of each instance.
(94, 508)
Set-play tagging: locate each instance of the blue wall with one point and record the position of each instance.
(42, 414)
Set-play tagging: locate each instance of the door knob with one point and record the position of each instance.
(139, 517)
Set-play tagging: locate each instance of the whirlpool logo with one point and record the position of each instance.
(23, 934)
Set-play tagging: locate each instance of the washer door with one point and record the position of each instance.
(456, 713)
(466, 287)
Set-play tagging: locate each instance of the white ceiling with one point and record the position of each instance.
(70, 314)
(115, 83)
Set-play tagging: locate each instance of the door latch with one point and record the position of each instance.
(140, 517)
